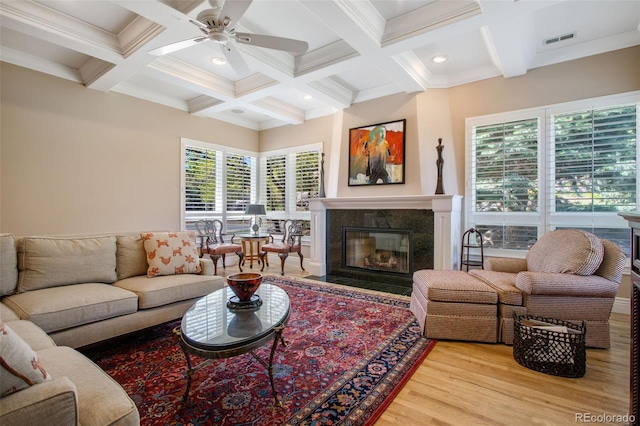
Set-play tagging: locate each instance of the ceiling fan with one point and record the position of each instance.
(218, 26)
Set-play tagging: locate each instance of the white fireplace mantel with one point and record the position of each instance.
(447, 211)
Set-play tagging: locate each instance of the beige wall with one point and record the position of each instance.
(74, 160)
(427, 120)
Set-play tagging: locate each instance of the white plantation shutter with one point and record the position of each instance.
(506, 166)
(202, 181)
(307, 178)
(289, 178)
(275, 179)
(217, 181)
(240, 181)
(505, 192)
(595, 160)
(594, 152)
(570, 165)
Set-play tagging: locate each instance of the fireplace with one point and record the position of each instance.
(377, 250)
(433, 222)
(374, 234)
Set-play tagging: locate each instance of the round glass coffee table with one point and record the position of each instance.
(210, 330)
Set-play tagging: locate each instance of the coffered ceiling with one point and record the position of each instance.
(357, 50)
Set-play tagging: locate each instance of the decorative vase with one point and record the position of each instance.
(244, 285)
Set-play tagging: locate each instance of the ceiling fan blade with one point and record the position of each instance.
(235, 59)
(271, 42)
(199, 24)
(232, 10)
(173, 47)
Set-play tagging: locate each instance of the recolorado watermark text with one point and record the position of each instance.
(604, 418)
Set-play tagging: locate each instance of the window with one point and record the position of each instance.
(289, 178)
(217, 182)
(239, 170)
(565, 166)
(220, 181)
(276, 183)
(307, 178)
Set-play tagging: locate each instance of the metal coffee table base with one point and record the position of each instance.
(211, 355)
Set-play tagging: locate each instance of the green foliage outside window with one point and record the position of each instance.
(200, 179)
(595, 160)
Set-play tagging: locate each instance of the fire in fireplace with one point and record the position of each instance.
(384, 250)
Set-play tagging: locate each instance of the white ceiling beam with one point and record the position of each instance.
(202, 103)
(356, 22)
(25, 60)
(426, 19)
(54, 27)
(408, 71)
(278, 110)
(510, 50)
(185, 75)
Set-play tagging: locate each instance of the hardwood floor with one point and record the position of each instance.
(463, 383)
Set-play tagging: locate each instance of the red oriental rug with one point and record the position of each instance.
(348, 354)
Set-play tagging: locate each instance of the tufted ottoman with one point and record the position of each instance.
(454, 305)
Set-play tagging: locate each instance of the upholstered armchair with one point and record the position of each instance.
(289, 241)
(212, 243)
(567, 274)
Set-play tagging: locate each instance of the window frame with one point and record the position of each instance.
(237, 220)
(290, 211)
(188, 218)
(546, 219)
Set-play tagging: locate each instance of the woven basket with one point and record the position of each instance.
(551, 352)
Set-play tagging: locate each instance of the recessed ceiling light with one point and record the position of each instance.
(237, 111)
(218, 60)
(307, 97)
(439, 58)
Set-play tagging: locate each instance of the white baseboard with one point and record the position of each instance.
(622, 306)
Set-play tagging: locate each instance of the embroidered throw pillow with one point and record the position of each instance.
(171, 253)
(19, 364)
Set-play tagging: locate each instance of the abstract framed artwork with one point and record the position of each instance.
(376, 153)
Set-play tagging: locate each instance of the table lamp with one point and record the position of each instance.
(255, 209)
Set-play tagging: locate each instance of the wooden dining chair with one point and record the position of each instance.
(212, 242)
(289, 241)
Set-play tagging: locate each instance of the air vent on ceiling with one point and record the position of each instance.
(559, 38)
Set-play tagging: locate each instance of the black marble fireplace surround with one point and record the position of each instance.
(419, 222)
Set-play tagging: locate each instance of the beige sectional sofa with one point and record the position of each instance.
(59, 293)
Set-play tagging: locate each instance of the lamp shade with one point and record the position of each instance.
(255, 209)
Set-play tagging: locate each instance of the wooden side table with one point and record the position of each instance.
(248, 241)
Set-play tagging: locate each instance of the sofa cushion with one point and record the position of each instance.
(453, 286)
(101, 401)
(50, 261)
(161, 291)
(8, 265)
(613, 262)
(568, 251)
(171, 253)
(502, 282)
(35, 337)
(58, 308)
(130, 256)
(7, 314)
(19, 364)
